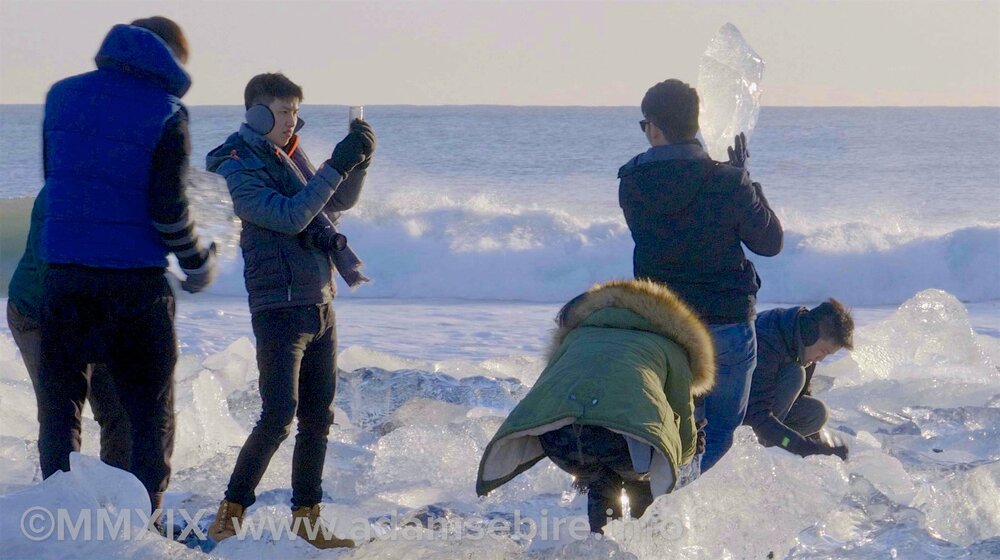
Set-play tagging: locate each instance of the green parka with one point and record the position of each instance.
(629, 356)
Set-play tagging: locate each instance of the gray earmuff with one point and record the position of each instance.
(260, 119)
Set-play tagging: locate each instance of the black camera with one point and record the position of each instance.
(322, 233)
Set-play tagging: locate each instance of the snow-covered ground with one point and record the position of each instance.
(424, 385)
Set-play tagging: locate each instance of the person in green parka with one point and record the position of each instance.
(614, 405)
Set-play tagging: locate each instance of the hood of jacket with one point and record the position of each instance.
(671, 174)
(779, 329)
(224, 151)
(666, 314)
(255, 140)
(142, 53)
(628, 356)
(238, 141)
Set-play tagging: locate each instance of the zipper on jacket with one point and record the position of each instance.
(288, 268)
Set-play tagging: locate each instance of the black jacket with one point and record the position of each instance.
(276, 197)
(779, 343)
(688, 216)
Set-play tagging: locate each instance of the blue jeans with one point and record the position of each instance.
(726, 405)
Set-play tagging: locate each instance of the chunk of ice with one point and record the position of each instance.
(929, 334)
(729, 90)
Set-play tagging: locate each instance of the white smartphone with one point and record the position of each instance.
(356, 112)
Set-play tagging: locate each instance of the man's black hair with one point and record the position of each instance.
(829, 320)
(672, 106)
(265, 88)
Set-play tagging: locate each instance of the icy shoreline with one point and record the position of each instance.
(425, 383)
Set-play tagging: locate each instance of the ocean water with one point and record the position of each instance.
(477, 223)
(520, 203)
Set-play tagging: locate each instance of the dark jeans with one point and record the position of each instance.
(296, 356)
(804, 414)
(116, 445)
(726, 405)
(600, 461)
(125, 319)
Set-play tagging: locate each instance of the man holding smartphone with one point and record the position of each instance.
(278, 194)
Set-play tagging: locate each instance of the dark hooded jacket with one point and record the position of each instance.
(689, 216)
(779, 343)
(277, 196)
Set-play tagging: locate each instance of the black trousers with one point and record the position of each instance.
(116, 443)
(122, 318)
(601, 463)
(296, 356)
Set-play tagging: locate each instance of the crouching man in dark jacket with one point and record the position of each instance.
(290, 259)
(790, 342)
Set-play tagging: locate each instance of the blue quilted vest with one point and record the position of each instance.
(101, 129)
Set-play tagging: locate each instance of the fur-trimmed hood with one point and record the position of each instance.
(666, 313)
(627, 356)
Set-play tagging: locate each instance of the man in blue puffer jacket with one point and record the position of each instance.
(115, 154)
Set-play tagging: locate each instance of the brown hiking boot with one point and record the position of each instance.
(309, 526)
(224, 525)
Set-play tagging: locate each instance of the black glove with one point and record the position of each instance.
(818, 447)
(198, 279)
(838, 449)
(354, 149)
(365, 128)
(322, 234)
(738, 153)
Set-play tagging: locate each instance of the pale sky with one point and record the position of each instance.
(868, 53)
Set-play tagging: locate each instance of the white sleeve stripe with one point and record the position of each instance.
(186, 240)
(175, 227)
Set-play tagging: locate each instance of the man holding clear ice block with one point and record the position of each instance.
(690, 217)
(291, 249)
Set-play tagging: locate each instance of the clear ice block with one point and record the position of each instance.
(729, 88)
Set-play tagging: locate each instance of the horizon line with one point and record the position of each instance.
(556, 106)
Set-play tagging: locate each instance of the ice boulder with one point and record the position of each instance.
(17, 398)
(928, 334)
(235, 367)
(92, 511)
(11, 365)
(429, 461)
(205, 426)
(964, 507)
(371, 395)
(765, 497)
